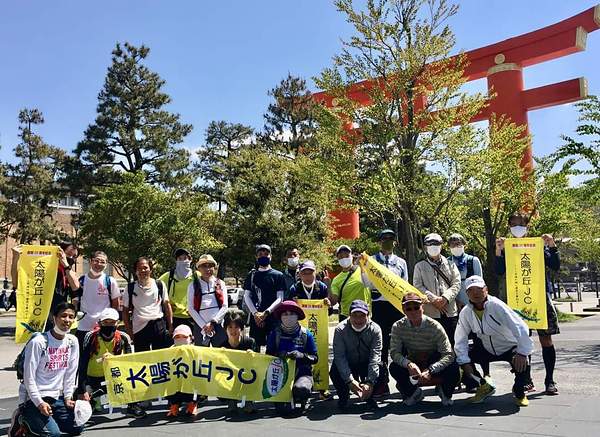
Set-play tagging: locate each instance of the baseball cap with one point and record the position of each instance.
(181, 251)
(206, 259)
(109, 314)
(433, 238)
(308, 265)
(411, 297)
(182, 329)
(343, 247)
(262, 247)
(385, 233)
(359, 306)
(474, 281)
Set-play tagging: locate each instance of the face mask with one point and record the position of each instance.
(96, 272)
(361, 329)
(59, 331)
(182, 268)
(289, 321)
(107, 331)
(518, 231)
(264, 261)
(182, 341)
(387, 245)
(457, 251)
(345, 262)
(308, 285)
(293, 262)
(433, 250)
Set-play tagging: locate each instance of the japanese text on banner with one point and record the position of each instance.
(219, 372)
(526, 280)
(317, 322)
(390, 285)
(37, 269)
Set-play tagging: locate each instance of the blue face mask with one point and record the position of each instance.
(263, 261)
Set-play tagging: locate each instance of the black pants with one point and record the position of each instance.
(385, 315)
(219, 337)
(359, 373)
(478, 354)
(449, 325)
(261, 333)
(180, 398)
(450, 377)
(153, 336)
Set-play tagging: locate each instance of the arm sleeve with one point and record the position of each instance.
(248, 301)
(500, 264)
(114, 289)
(396, 346)
(366, 281)
(223, 310)
(70, 378)
(277, 301)
(552, 258)
(452, 291)
(375, 356)
(477, 270)
(33, 353)
(191, 310)
(461, 338)
(445, 350)
(339, 356)
(518, 328)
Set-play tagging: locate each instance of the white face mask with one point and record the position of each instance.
(433, 250)
(182, 341)
(59, 331)
(182, 268)
(518, 231)
(457, 251)
(293, 262)
(96, 272)
(361, 329)
(345, 262)
(308, 285)
(289, 320)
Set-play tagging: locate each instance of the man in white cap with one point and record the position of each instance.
(103, 341)
(439, 279)
(502, 335)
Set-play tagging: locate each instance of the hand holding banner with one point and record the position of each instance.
(37, 269)
(317, 322)
(526, 280)
(391, 286)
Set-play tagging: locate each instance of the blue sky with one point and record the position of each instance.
(220, 58)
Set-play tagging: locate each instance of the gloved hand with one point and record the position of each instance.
(295, 355)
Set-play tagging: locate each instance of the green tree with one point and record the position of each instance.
(30, 190)
(133, 132)
(135, 218)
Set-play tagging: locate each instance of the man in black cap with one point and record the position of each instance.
(178, 280)
(384, 313)
(264, 289)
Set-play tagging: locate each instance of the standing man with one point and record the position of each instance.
(290, 274)
(146, 311)
(502, 335)
(439, 279)
(264, 290)
(384, 313)
(178, 280)
(97, 291)
(421, 350)
(518, 224)
(348, 285)
(467, 265)
(357, 366)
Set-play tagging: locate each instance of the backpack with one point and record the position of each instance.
(92, 344)
(107, 284)
(219, 293)
(19, 364)
(131, 293)
(303, 334)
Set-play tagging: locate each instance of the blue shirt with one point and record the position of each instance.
(293, 342)
(299, 291)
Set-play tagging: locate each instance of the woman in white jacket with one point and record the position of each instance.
(501, 336)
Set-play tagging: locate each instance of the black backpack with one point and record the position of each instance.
(131, 293)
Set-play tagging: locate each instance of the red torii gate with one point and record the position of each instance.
(502, 64)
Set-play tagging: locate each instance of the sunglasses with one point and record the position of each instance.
(412, 307)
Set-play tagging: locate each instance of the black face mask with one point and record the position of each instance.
(107, 331)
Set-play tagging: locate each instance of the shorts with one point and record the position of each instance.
(552, 317)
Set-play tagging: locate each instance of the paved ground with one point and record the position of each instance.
(576, 411)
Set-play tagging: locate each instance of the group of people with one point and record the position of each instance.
(452, 324)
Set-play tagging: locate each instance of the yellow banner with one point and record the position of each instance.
(526, 280)
(317, 322)
(37, 269)
(390, 285)
(209, 371)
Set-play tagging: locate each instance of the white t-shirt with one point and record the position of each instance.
(95, 299)
(147, 305)
(50, 368)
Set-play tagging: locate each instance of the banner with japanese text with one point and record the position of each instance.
(317, 322)
(226, 373)
(37, 269)
(390, 285)
(526, 280)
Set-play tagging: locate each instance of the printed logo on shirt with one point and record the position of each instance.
(102, 290)
(58, 358)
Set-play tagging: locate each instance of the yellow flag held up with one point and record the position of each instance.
(390, 285)
(526, 280)
(317, 322)
(37, 269)
(226, 373)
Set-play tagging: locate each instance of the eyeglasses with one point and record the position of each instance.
(412, 307)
